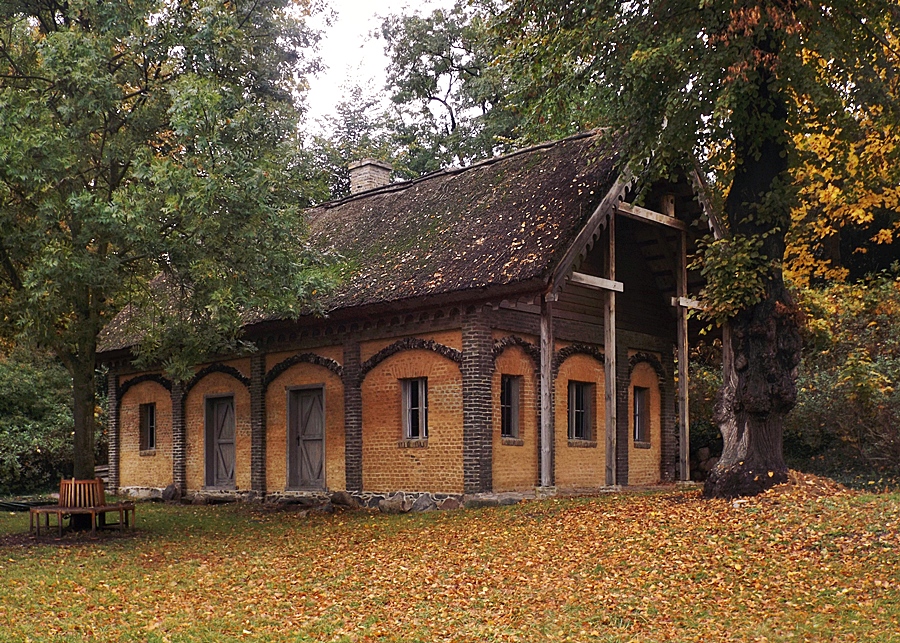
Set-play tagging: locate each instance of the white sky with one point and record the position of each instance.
(348, 52)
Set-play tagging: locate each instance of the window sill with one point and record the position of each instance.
(583, 444)
(512, 442)
(643, 445)
(145, 453)
(414, 443)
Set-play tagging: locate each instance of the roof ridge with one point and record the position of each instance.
(398, 187)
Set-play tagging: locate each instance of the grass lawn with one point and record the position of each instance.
(789, 566)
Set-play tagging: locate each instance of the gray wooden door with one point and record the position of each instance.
(306, 440)
(220, 448)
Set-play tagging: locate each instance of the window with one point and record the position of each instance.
(581, 395)
(510, 386)
(641, 414)
(415, 408)
(148, 427)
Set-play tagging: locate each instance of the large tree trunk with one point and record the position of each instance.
(84, 391)
(761, 345)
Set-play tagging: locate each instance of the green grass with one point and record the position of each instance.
(649, 567)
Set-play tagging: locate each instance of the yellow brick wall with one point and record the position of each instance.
(152, 468)
(644, 464)
(515, 468)
(451, 338)
(216, 384)
(435, 468)
(331, 352)
(303, 375)
(579, 466)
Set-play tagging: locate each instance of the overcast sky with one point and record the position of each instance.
(348, 52)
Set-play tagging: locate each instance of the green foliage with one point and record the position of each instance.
(35, 423)
(450, 98)
(148, 138)
(849, 381)
(705, 378)
(735, 270)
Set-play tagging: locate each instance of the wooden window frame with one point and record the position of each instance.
(510, 405)
(581, 411)
(641, 414)
(147, 426)
(414, 394)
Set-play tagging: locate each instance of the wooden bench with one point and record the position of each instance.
(85, 497)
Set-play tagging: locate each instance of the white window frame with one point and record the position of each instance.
(415, 408)
(147, 427)
(583, 413)
(510, 402)
(641, 413)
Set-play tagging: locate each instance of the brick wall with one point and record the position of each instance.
(216, 384)
(476, 369)
(151, 468)
(580, 466)
(515, 466)
(304, 375)
(436, 467)
(644, 464)
(451, 338)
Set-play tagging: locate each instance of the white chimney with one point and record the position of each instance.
(368, 174)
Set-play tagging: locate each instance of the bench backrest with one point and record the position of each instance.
(81, 493)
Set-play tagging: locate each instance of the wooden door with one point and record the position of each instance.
(220, 447)
(306, 440)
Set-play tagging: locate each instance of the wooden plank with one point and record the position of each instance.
(683, 409)
(597, 283)
(609, 352)
(643, 214)
(687, 302)
(546, 392)
(606, 209)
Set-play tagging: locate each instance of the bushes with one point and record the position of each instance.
(35, 423)
(848, 385)
(849, 381)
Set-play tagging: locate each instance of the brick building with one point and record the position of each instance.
(501, 327)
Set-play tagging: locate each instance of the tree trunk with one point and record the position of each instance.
(761, 344)
(761, 350)
(84, 394)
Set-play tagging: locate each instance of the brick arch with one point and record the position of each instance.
(216, 368)
(406, 344)
(124, 387)
(301, 358)
(509, 341)
(638, 358)
(575, 349)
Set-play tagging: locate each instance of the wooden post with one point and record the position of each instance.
(609, 352)
(547, 390)
(684, 416)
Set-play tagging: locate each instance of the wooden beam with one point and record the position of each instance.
(597, 283)
(546, 392)
(643, 214)
(609, 353)
(687, 302)
(606, 209)
(684, 415)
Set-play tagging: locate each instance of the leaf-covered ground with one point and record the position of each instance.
(806, 562)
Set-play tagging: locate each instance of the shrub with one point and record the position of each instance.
(35, 422)
(849, 380)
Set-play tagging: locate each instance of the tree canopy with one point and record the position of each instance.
(144, 139)
(736, 87)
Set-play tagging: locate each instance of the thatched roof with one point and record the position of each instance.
(504, 221)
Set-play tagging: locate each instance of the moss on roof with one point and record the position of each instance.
(500, 222)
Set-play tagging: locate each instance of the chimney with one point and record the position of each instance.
(368, 174)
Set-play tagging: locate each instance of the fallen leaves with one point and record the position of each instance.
(808, 560)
